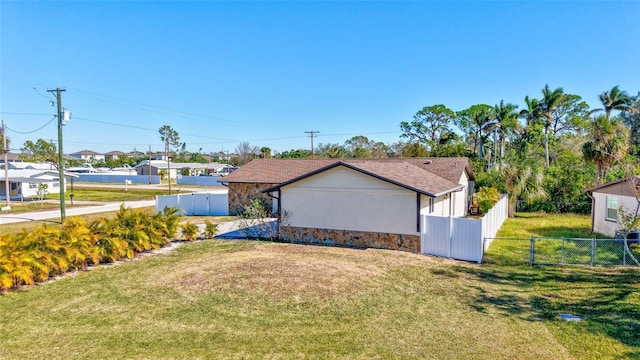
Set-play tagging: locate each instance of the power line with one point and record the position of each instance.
(31, 132)
(164, 110)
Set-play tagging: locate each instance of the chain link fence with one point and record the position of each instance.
(564, 251)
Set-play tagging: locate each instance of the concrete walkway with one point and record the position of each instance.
(55, 214)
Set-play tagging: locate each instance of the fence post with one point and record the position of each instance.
(624, 252)
(531, 250)
(593, 251)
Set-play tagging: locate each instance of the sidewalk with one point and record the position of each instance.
(55, 214)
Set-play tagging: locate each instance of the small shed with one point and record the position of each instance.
(607, 200)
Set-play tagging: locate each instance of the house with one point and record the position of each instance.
(31, 166)
(356, 202)
(24, 184)
(608, 199)
(88, 156)
(155, 167)
(11, 158)
(113, 155)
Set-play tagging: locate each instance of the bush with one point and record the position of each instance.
(30, 257)
(210, 229)
(189, 231)
(485, 198)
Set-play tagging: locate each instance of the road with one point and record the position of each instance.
(55, 214)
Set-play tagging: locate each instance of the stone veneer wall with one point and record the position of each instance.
(241, 194)
(410, 243)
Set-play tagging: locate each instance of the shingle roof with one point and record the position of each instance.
(428, 175)
(610, 183)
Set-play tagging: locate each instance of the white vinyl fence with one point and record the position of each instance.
(461, 238)
(203, 204)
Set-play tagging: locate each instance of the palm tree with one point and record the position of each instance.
(523, 180)
(506, 125)
(548, 107)
(609, 143)
(614, 99)
(532, 115)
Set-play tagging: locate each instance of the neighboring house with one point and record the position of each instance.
(156, 166)
(31, 166)
(88, 156)
(178, 169)
(23, 184)
(357, 202)
(159, 156)
(11, 157)
(607, 200)
(113, 155)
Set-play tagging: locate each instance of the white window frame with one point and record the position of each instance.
(611, 202)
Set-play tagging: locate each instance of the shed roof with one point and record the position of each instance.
(613, 183)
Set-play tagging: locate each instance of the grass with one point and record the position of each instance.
(247, 299)
(110, 194)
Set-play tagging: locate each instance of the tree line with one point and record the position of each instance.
(544, 154)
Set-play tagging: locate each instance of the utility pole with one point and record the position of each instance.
(311, 135)
(149, 164)
(6, 164)
(60, 153)
(166, 152)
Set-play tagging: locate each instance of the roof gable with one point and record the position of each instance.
(619, 187)
(401, 174)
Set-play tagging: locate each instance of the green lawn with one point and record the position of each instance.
(247, 299)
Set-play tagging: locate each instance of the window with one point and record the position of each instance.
(431, 201)
(612, 208)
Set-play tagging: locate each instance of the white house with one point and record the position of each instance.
(607, 200)
(370, 202)
(88, 156)
(31, 166)
(24, 184)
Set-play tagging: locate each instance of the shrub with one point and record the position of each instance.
(189, 231)
(486, 197)
(210, 229)
(29, 257)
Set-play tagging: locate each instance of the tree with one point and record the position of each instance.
(631, 118)
(614, 99)
(523, 180)
(571, 115)
(332, 151)
(609, 142)
(548, 107)
(2, 143)
(295, 154)
(414, 149)
(477, 122)
(40, 151)
(358, 147)
(170, 138)
(265, 152)
(506, 125)
(428, 125)
(246, 152)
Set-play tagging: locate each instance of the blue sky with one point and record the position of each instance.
(221, 73)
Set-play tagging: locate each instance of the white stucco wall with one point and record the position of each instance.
(600, 223)
(344, 199)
